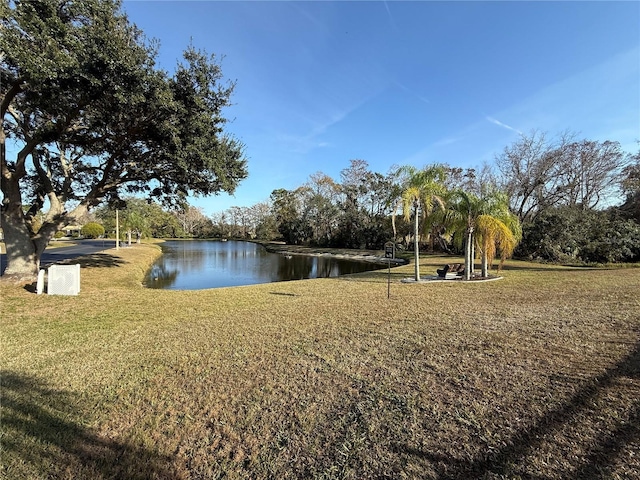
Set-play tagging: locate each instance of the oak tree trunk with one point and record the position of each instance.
(23, 253)
(24, 247)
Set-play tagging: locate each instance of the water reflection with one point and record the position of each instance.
(198, 264)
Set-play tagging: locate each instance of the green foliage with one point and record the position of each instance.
(353, 213)
(267, 228)
(291, 225)
(93, 118)
(363, 208)
(631, 175)
(631, 187)
(575, 235)
(147, 219)
(481, 223)
(92, 230)
(420, 192)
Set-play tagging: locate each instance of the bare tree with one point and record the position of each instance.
(589, 171)
(261, 221)
(320, 199)
(190, 218)
(538, 173)
(239, 221)
(530, 173)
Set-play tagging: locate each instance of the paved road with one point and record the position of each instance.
(55, 255)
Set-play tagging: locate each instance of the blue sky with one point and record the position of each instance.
(413, 82)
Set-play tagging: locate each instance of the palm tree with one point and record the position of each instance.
(485, 223)
(460, 220)
(420, 192)
(497, 230)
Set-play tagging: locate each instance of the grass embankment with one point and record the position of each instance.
(533, 376)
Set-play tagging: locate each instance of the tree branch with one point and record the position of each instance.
(15, 89)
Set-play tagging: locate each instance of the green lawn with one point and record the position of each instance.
(536, 375)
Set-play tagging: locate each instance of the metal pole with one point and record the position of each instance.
(389, 281)
(117, 231)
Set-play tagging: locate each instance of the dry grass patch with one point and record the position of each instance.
(534, 376)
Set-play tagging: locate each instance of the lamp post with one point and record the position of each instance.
(117, 231)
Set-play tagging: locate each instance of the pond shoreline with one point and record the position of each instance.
(373, 256)
(202, 264)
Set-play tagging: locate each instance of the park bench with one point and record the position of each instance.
(451, 270)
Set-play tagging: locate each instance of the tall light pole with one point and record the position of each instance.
(117, 231)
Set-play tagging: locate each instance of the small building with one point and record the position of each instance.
(72, 230)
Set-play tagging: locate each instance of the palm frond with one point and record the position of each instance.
(493, 235)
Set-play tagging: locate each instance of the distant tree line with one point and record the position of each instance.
(574, 200)
(90, 119)
(578, 200)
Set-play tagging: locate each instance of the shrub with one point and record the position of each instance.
(92, 230)
(570, 234)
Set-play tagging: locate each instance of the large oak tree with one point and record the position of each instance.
(87, 116)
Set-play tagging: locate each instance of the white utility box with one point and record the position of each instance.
(63, 279)
(40, 283)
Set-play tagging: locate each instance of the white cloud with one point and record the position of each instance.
(503, 125)
(601, 102)
(408, 90)
(391, 19)
(304, 143)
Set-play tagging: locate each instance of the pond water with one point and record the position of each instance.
(198, 264)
